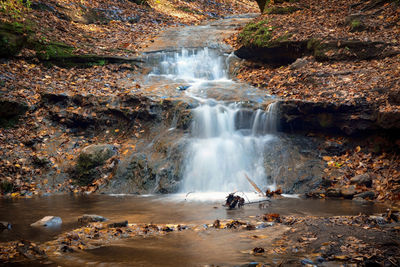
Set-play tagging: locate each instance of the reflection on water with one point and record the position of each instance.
(152, 209)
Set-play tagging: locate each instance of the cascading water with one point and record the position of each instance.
(227, 142)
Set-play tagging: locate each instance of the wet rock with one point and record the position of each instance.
(366, 194)
(91, 218)
(65, 248)
(362, 179)
(299, 63)
(333, 147)
(348, 191)
(48, 221)
(307, 262)
(5, 225)
(265, 225)
(333, 192)
(317, 193)
(118, 224)
(359, 200)
(258, 250)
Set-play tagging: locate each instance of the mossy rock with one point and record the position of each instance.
(256, 34)
(12, 39)
(91, 157)
(53, 51)
(281, 10)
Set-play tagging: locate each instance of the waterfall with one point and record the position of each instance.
(226, 141)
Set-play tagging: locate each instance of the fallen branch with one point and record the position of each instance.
(254, 185)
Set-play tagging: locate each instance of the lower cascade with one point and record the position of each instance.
(227, 141)
(220, 155)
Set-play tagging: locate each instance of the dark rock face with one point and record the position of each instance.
(12, 108)
(285, 52)
(334, 117)
(282, 53)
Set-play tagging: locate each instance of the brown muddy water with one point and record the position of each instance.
(186, 248)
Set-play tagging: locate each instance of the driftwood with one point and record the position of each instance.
(254, 185)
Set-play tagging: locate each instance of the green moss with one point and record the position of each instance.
(356, 25)
(281, 10)
(260, 35)
(53, 51)
(317, 48)
(256, 34)
(13, 37)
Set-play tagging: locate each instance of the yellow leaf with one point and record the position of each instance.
(116, 130)
(358, 149)
(327, 158)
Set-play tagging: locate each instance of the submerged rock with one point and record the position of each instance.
(48, 221)
(86, 218)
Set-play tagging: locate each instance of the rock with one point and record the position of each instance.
(366, 194)
(394, 97)
(359, 200)
(348, 191)
(48, 221)
(12, 39)
(5, 225)
(298, 64)
(12, 108)
(99, 153)
(316, 193)
(362, 179)
(91, 157)
(86, 218)
(118, 224)
(307, 262)
(265, 225)
(333, 192)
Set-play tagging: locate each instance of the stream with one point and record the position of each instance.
(226, 141)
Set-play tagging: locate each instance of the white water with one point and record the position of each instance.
(227, 142)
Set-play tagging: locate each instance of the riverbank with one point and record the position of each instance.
(335, 65)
